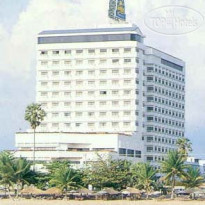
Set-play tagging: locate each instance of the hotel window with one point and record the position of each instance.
(56, 52)
(79, 83)
(55, 62)
(127, 60)
(55, 94)
(67, 83)
(115, 61)
(55, 105)
(55, 125)
(91, 51)
(67, 125)
(103, 61)
(115, 71)
(78, 124)
(67, 51)
(55, 114)
(91, 82)
(91, 62)
(91, 93)
(55, 73)
(91, 114)
(44, 52)
(102, 124)
(127, 113)
(115, 114)
(126, 124)
(115, 103)
(103, 82)
(127, 50)
(115, 124)
(44, 62)
(103, 71)
(103, 50)
(127, 92)
(79, 51)
(79, 62)
(91, 72)
(79, 72)
(79, 93)
(127, 71)
(103, 92)
(67, 72)
(127, 103)
(44, 94)
(115, 92)
(122, 152)
(115, 50)
(91, 125)
(44, 84)
(67, 104)
(78, 114)
(67, 94)
(55, 83)
(78, 104)
(103, 103)
(115, 82)
(91, 103)
(127, 82)
(44, 73)
(103, 114)
(67, 62)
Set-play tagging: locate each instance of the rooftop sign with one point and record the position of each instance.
(117, 10)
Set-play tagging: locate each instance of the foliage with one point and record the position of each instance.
(15, 172)
(108, 173)
(146, 177)
(184, 146)
(63, 176)
(192, 178)
(34, 115)
(173, 167)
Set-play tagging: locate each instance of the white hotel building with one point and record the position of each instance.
(106, 92)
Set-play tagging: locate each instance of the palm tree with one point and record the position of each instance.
(34, 115)
(147, 177)
(173, 167)
(184, 146)
(64, 178)
(192, 178)
(14, 171)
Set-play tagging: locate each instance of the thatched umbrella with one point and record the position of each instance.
(32, 190)
(84, 191)
(111, 191)
(53, 191)
(130, 190)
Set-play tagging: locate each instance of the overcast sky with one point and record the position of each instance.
(22, 20)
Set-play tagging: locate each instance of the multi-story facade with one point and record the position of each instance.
(104, 90)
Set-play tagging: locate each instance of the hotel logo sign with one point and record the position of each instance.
(117, 10)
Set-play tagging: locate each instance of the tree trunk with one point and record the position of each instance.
(34, 149)
(147, 195)
(173, 184)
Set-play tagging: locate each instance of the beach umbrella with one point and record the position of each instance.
(53, 191)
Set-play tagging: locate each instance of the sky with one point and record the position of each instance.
(22, 20)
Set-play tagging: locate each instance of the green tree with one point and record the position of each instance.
(63, 176)
(192, 178)
(34, 114)
(146, 178)
(184, 146)
(108, 173)
(173, 167)
(14, 172)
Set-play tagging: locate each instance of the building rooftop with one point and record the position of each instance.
(91, 30)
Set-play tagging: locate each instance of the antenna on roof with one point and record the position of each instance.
(117, 11)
